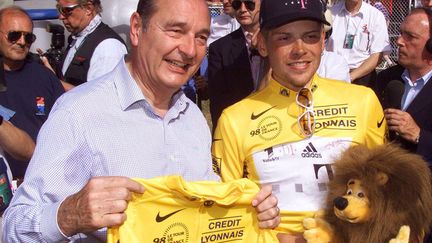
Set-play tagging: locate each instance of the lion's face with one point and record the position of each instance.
(354, 206)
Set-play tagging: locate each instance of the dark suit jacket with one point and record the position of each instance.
(420, 109)
(229, 73)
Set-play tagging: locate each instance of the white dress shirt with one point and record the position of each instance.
(104, 128)
(334, 66)
(369, 28)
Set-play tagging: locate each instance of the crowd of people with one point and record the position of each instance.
(290, 86)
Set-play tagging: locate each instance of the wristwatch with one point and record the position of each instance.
(1, 120)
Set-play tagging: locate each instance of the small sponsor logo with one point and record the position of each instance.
(254, 117)
(40, 106)
(310, 152)
(379, 124)
(284, 92)
(162, 218)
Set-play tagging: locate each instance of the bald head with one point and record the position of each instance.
(14, 11)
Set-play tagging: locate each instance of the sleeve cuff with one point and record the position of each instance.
(49, 226)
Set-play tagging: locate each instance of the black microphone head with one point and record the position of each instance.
(392, 94)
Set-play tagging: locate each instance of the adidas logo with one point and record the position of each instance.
(310, 152)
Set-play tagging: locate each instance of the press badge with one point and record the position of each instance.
(348, 42)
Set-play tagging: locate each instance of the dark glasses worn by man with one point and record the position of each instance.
(288, 133)
(28, 89)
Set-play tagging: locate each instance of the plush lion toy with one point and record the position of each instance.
(374, 193)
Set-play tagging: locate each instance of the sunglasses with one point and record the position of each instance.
(306, 121)
(250, 5)
(67, 10)
(14, 36)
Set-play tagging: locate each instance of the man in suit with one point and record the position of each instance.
(234, 69)
(405, 89)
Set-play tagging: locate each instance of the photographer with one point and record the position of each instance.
(93, 48)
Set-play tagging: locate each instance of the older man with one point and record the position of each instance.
(132, 122)
(405, 89)
(31, 88)
(94, 48)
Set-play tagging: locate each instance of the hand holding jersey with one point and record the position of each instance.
(101, 203)
(288, 134)
(174, 210)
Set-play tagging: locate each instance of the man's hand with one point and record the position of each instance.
(44, 60)
(266, 207)
(402, 123)
(101, 203)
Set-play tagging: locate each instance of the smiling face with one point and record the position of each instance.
(169, 50)
(294, 52)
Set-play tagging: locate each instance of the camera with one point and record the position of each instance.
(55, 52)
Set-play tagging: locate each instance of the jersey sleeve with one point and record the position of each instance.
(226, 150)
(376, 125)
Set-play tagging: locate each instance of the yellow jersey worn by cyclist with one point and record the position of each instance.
(172, 210)
(260, 138)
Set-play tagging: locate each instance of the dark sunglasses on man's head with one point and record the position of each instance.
(250, 5)
(14, 36)
(66, 10)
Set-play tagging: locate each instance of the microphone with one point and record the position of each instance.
(392, 94)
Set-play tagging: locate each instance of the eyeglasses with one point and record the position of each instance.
(306, 121)
(67, 10)
(250, 5)
(14, 36)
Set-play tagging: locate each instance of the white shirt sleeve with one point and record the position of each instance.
(105, 57)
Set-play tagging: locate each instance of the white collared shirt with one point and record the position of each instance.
(370, 32)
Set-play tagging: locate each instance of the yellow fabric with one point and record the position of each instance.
(259, 138)
(191, 212)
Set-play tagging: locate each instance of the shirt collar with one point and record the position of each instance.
(423, 80)
(284, 91)
(129, 93)
(360, 12)
(90, 27)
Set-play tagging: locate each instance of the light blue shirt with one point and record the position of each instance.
(412, 89)
(105, 57)
(104, 128)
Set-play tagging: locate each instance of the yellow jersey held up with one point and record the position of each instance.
(172, 210)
